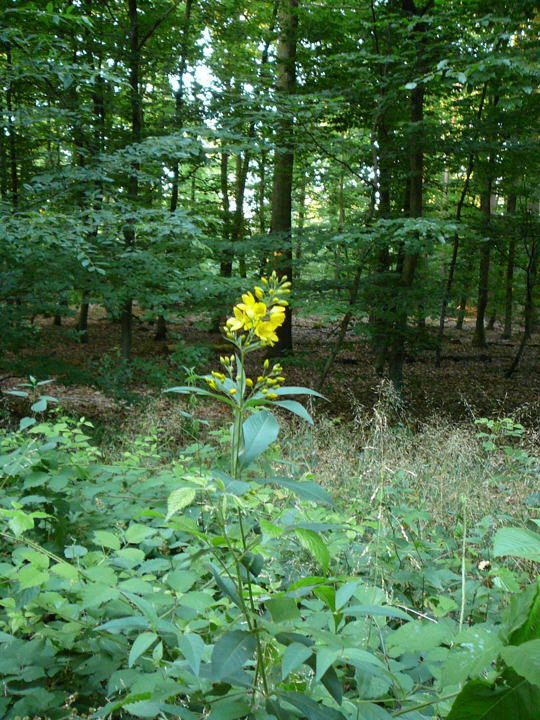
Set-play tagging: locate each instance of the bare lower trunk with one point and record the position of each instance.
(509, 278)
(82, 323)
(479, 338)
(280, 225)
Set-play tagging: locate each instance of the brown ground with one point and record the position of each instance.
(469, 383)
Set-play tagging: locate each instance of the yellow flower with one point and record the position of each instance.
(211, 383)
(259, 292)
(232, 391)
(249, 382)
(239, 321)
(251, 308)
(272, 396)
(218, 375)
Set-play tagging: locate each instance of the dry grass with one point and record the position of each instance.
(434, 466)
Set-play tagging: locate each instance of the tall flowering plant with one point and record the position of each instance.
(253, 325)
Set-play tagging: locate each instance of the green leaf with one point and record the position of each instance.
(418, 636)
(375, 611)
(306, 489)
(259, 431)
(283, 608)
(192, 647)
(293, 657)
(26, 422)
(481, 701)
(39, 406)
(227, 586)
(230, 652)
(179, 499)
(136, 533)
(30, 576)
(311, 709)
(325, 658)
(66, 571)
(295, 390)
(518, 542)
(345, 593)
(229, 709)
(524, 659)
(314, 544)
(107, 539)
(296, 408)
(474, 650)
(141, 645)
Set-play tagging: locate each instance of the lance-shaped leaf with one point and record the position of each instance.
(259, 431)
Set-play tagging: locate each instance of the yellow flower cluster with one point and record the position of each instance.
(262, 311)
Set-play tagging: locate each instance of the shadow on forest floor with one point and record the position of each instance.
(90, 379)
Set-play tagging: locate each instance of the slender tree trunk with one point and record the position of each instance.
(280, 225)
(491, 321)
(415, 203)
(161, 324)
(126, 317)
(479, 339)
(509, 277)
(227, 256)
(82, 323)
(529, 310)
(12, 138)
(301, 223)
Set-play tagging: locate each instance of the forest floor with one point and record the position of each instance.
(470, 383)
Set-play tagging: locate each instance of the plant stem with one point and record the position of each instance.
(463, 549)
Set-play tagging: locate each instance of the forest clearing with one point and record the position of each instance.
(269, 360)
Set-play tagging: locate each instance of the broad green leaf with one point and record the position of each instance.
(295, 390)
(311, 709)
(305, 489)
(325, 658)
(417, 636)
(231, 651)
(30, 576)
(480, 701)
(229, 709)
(345, 593)
(66, 571)
(141, 645)
(182, 580)
(192, 648)
(474, 650)
(259, 431)
(376, 611)
(107, 539)
(314, 544)
(524, 659)
(296, 408)
(283, 608)
(294, 656)
(179, 499)
(518, 542)
(136, 533)
(226, 585)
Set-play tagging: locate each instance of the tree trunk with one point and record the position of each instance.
(479, 339)
(82, 323)
(161, 324)
(12, 139)
(414, 204)
(529, 310)
(126, 323)
(280, 225)
(509, 277)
